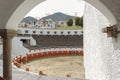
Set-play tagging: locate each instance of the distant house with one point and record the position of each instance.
(61, 23)
(45, 23)
(22, 24)
(42, 23)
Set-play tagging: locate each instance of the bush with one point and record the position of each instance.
(70, 22)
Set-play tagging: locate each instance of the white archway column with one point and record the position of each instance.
(7, 36)
(98, 48)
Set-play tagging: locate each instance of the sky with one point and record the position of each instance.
(48, 7)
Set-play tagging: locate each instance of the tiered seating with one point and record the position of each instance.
(58, 41)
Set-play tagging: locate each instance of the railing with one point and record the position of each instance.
(36, 54)
(30, 31)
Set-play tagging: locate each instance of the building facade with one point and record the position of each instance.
(42, 23)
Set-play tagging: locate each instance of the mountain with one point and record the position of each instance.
(59, 17)
(56, 17)
(28, 19)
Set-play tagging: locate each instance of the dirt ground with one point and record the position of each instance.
(58, 66)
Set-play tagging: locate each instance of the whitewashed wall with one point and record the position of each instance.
(100, 59)
(51, 31)
(32, 41)
(18, 48)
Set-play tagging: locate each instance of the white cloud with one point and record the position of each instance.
(52, 6)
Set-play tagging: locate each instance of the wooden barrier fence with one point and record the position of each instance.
(18, 60)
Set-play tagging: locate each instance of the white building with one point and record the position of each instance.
(42, 23)
(61, 23)
(45, 23)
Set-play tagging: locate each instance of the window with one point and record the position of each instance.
(34, 31)
(75, 32)
(69, 32)
(48, 25)
(48, 32)
(41, 32)
(29, 23)
(26, 31)
(61, 32)
(55, 32)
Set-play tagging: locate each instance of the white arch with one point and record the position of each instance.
(20, 12)
(27, 5)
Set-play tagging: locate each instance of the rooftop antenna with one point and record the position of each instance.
(75, 14)
(47, 14)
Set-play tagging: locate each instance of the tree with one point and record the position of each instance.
(79, 21)
(70, 22)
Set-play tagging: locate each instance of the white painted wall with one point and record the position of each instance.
(32, 41)
(18, 48)
(99, 53)
(1, 51)
(51, 31)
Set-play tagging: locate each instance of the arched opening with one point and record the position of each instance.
(63, 38)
